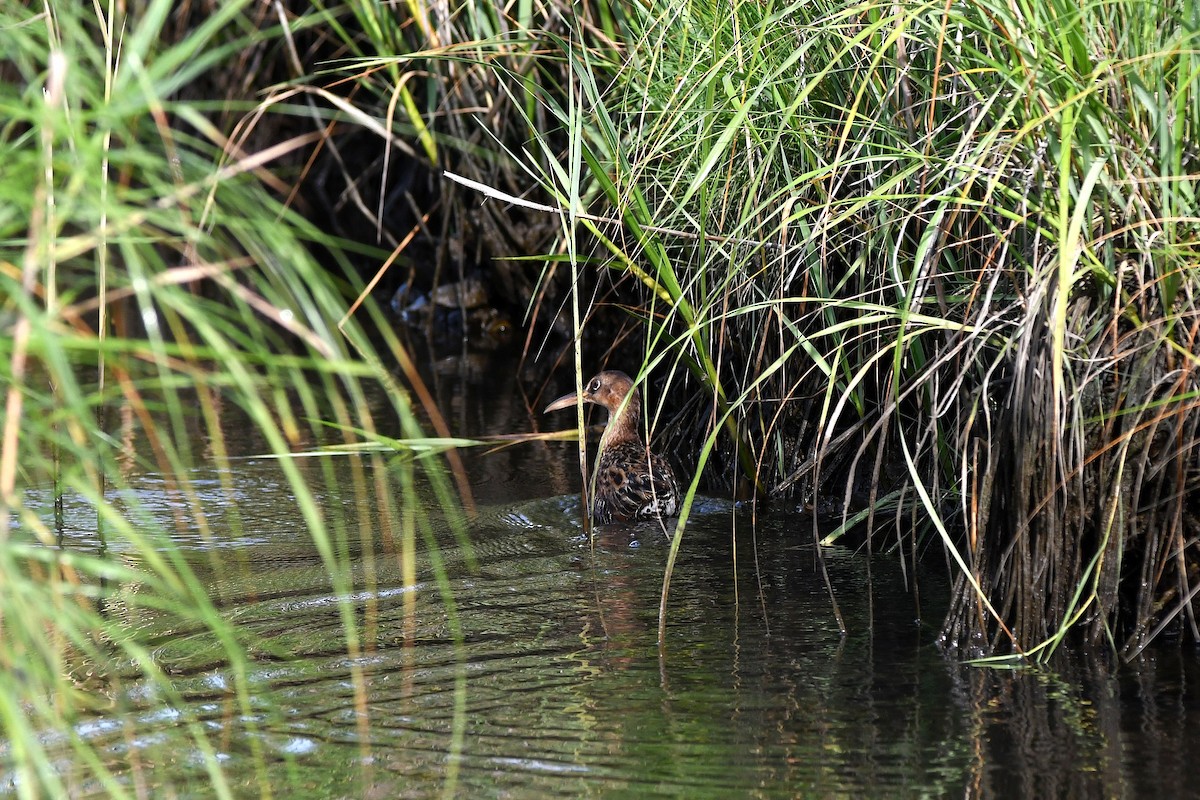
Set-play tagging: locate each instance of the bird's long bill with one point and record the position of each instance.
(566, 401)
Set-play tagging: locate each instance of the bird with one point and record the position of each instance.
(631, 483)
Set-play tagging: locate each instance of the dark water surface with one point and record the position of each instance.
(547, 678)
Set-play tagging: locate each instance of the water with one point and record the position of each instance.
(548, 679)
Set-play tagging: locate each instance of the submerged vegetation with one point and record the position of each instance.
(936, 262)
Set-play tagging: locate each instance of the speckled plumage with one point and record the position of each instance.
(631, 482)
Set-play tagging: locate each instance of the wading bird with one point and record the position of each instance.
(631, 482)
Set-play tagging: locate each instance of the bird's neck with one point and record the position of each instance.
(623, 423)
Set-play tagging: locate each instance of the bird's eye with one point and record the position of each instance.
(594, 386)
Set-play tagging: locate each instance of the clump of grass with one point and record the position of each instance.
(158, 303)
(931, 260)
(962, 216)
(968, 220)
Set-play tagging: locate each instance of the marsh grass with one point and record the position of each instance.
(934, 261)
(161, 309)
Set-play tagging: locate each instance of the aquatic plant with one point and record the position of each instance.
(934, 260)
(162, 314)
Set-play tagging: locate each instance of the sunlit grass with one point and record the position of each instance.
(935, 260)
(159, 308)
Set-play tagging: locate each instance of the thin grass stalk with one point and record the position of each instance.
(570, 223)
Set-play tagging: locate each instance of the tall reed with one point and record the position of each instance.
(161, 307)
(934, 260)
